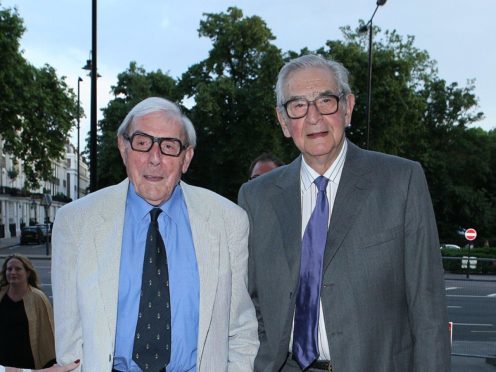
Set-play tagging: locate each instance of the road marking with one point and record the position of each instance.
(467, 296)
(474, 324)
(483, 331)
(491, 295)
(452, 288)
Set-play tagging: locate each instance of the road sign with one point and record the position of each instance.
(470, 234)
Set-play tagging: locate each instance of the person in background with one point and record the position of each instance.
(262, 164)
(344, 264)
(26, 317)
(152, 273)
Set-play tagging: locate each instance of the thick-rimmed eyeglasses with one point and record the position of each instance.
(143, 142)
(326, 104)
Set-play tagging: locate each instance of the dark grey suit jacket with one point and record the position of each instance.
(383, 293)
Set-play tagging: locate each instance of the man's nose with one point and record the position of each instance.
(313, 114)
(155, 153)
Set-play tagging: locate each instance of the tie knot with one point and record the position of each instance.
(154, 214)
(321, 183)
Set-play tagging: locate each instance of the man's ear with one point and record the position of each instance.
(350, 104)
(282, 121)
(122, 145)
(188, 156)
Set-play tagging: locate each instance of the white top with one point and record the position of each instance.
(308, 198)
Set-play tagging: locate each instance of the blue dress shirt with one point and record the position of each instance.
(184, 284)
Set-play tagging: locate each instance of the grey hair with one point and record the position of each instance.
(157, 104)
(338, 71)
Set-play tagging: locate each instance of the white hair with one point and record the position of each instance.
(157, 104)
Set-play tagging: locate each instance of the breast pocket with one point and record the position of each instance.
(380, 238)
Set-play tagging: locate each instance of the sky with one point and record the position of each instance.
(161, 34)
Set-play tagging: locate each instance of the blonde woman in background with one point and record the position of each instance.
(26, 317)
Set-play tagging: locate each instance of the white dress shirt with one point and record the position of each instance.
(308, 198)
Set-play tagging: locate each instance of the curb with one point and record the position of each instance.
(31, 257)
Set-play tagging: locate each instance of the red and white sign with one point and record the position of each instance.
(470, 234)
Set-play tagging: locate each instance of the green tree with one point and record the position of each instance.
(417, 115)
(37, 108)
(234, 101)
(133, 85)
(11, 62)
(464, 189)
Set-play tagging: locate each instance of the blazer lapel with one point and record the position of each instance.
(286, 202)
(108, 242)
(353, 190)
(206, 242)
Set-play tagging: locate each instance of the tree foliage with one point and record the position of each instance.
(415, 114)
(234, 100)
(37, 108)
(133, 85)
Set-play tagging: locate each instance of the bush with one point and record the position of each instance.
(483, 267)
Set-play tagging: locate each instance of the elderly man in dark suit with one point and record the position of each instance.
(344, 269)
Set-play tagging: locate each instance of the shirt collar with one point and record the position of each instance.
(308, 175)
(140, 208)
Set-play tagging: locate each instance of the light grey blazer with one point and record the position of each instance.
(382, 292)
(87, 237)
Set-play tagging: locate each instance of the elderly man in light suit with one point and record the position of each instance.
(344, 268)
(98, 264)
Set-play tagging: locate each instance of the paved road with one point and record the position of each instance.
(471, 306)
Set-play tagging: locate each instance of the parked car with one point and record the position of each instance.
(33, 234)
(450, 246)
(46, 230)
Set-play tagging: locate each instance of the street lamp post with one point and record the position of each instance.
(34, 206)
(46, 202)
(93, 132)
(78, 150)
(91, 66)
(368, 27)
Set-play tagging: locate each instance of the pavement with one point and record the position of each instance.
(9, 246)
(460, 363)
(9, 242)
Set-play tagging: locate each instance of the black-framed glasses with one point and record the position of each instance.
(326, 104)
(143, 142)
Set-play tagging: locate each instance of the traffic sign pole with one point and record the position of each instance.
(470, 235)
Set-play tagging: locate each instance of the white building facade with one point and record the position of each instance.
(20, 206)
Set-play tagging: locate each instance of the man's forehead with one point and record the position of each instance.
(310, 82)
(158, 121)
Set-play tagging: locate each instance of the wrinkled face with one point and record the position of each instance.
(16, 273)
(262, 167)
(154, 175)
(318, 137)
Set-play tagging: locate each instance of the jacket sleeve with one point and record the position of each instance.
(243, 338)
(65, 249)
(425, 289)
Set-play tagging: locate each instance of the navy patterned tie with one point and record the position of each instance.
(152, 343)
(306, 321)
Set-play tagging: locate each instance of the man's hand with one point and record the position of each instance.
(54, 368)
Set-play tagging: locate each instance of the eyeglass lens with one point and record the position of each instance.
(168, 146)
(326, 105)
